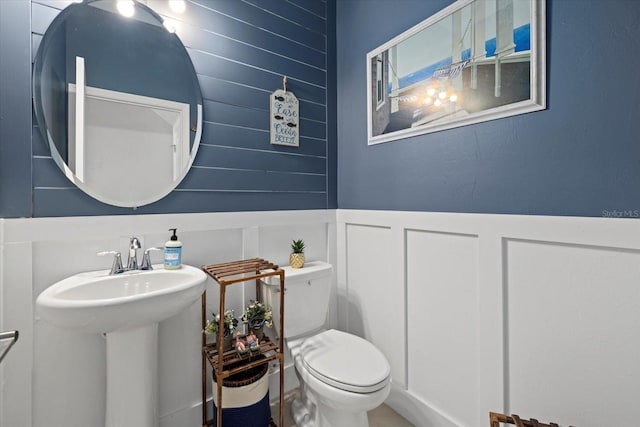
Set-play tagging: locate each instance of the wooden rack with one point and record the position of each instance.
(496, 418)
(226, 274)
(7, 339)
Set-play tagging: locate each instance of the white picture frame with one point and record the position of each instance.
(478, 59)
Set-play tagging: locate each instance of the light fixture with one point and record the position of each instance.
(439, 95)
(178, 6)
(169, 25)
(126, 8)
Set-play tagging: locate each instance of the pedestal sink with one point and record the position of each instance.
(127, 308)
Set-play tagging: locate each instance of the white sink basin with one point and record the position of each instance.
(96, 302)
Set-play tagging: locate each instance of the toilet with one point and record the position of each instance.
(342, 376)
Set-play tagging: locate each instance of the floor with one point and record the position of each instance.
(382, 416)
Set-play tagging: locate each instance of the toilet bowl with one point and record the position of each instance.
(341, 376)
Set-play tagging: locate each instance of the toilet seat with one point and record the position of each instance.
(345, 361)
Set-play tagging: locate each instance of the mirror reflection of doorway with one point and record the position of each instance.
(143, 136)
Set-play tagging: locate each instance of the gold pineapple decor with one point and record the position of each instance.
(296, 259)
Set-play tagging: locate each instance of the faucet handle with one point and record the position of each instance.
(116, 267)
(146, 258)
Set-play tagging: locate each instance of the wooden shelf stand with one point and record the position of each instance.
(227, 274)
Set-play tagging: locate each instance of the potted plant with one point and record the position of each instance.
(256, 316)
(296, 259)
(230, 323)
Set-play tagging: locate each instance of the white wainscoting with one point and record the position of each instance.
(56, 378)
(532, 315)
(537, 316)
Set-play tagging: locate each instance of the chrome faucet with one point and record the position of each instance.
(132, 260)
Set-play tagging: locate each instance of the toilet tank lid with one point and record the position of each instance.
(311, 270)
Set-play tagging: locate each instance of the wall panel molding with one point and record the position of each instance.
(442, 296)
(517, 266)
(570, 312)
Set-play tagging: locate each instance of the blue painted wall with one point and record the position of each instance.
(15, 110)
(579, 157)
(240, 50)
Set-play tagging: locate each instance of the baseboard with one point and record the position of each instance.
(416, 411)
(188, 416)
(290, 381)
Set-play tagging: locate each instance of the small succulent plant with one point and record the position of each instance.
(297, 246)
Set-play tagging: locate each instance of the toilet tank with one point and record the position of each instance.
(306, 297)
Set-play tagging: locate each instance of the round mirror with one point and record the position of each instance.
(117, 99)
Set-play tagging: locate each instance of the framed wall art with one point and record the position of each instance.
(473, 61)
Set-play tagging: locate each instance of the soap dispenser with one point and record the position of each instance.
(173, 252)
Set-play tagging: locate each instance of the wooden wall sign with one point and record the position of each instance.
(284, 118)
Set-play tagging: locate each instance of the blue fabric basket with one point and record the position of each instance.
(256, 415)
(245, 398)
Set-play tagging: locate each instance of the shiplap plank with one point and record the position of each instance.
(232, 71)
(312, 111)
(226, 157)
(299, 16)
(217, 112)
(230, 201)
(313, 129)
(243, 201)
(250, 55)
(46, 173)
(245, 96)
(242, 137)
(208, 20)
(56, 4)
(230, 179)
(318, 8)
(41, 17)
(275, 24)
(73, 202)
